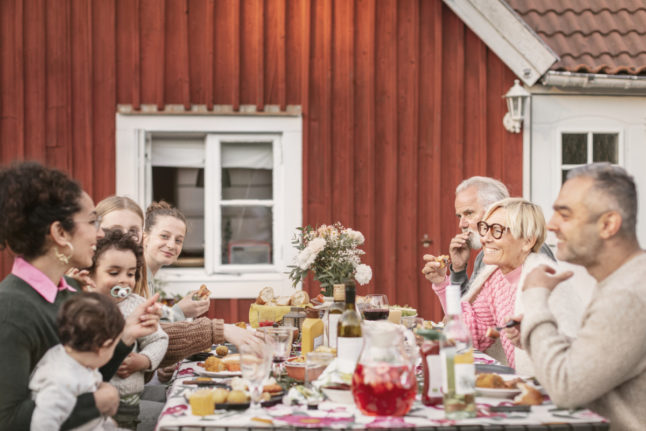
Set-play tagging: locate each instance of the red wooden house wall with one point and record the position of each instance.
(400, 102)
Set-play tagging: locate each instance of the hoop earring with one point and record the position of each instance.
(63, 258)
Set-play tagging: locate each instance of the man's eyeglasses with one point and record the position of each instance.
(496, 229)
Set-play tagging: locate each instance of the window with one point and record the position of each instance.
(580, 148)
(238, 181)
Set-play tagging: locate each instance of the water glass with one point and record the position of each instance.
(255, 362)
(280, 342)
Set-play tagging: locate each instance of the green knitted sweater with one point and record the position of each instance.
(27, 331)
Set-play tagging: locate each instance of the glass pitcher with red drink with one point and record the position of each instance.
(384, 381)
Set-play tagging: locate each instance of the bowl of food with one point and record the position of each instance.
(296, 366)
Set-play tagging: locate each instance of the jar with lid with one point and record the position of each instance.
(295, 318)
(432, 366)
(384, 381)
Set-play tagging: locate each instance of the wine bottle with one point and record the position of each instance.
(456, 355)
(349, 339)
(334, 313)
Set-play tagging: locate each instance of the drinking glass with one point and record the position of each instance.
(412, 322)
(280, 342)
(315, 364)
(255, 362)
(375, 307)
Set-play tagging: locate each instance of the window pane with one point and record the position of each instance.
(605, 148)
(242, 183)
(247, 170)
(184, 189)
(564, 173)
(247, 235)
(575, 148)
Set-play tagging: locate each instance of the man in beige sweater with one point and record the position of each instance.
(604, 368)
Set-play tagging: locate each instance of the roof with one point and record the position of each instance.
(590, 36)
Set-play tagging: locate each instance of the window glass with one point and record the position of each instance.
(247, 235)
(575, 148)
(184, 189)
(605, 147)
(247, 170)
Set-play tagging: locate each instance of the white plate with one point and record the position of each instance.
(497, 393)
(341, 396)
(202, 372)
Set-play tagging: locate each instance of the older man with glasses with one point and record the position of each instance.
(604, 368)
(512, 231)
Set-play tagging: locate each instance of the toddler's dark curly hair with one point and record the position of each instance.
(87, 320)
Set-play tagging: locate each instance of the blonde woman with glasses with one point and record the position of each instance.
(512, 231)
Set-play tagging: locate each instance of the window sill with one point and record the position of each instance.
(224, 285)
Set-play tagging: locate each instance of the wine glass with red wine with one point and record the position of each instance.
(375, 307)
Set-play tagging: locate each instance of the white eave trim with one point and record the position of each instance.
(507, 35)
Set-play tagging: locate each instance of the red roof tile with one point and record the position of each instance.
(590, 36)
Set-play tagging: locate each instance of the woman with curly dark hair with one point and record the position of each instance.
(49, 223)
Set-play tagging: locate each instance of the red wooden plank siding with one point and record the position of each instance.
(227, 51)
(152, 19)
(251, 53)
(34, 80)
(364, 127)
(342, 169)
(385, 210)
(104, 89)
(400, 102)
(82, 106)
(128, 62)
(407, 137)
(320, 168)
(176, 70)
(200, 52)
(275, 47)
(430, 72)
(58, 82)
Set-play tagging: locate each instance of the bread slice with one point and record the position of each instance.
(529, 395)
(266, 296)
(282, 300)
(299, 299)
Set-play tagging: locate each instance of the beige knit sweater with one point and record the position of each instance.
(186, 338)
(604, 368)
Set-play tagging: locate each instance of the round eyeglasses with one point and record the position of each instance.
(496, 229)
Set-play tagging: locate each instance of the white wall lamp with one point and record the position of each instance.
(513, 119)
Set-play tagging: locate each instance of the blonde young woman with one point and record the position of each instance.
(165, 223)
(122, 213)
(512, 231)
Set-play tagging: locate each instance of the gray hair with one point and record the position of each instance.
(489, 190)
(617, 186)
(524, 219)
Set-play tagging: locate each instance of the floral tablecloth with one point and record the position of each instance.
(177, 413)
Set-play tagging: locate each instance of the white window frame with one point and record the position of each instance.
(589, 131)
(134, 173)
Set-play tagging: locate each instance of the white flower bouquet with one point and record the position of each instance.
(332, 254)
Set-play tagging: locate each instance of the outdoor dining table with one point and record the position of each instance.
(176, 415)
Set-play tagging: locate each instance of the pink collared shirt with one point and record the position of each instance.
(39, 281)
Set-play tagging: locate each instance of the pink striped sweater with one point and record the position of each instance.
(492, 306)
